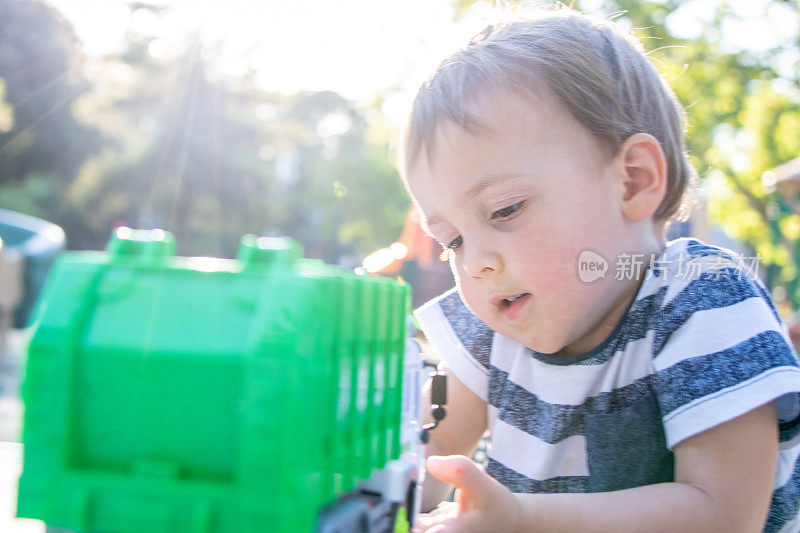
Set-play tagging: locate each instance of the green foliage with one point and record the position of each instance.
(341, 194)
(41, 74)
(32, 195)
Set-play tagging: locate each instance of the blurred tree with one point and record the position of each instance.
(42, 145)
(186, 156)
(207, 156)
(211, 160)
(345, 197)
(743, 108)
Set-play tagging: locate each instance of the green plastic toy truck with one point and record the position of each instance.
(269, 393)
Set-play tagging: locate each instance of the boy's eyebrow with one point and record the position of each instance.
(472, 192)
(430, 221)
(479, 187)
(491, 179)
(469, 193)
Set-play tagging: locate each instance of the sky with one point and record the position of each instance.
(357, 47)
(354, 47)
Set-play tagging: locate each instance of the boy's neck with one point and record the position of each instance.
(625, 294)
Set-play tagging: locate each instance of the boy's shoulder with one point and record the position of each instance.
(693, 283)
(688, 251)
(690, 275)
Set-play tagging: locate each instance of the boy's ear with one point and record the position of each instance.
(641, 166)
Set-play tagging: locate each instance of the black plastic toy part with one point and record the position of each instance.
(438, 400)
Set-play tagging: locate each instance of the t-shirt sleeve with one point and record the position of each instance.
(460, 338)
(721, 350)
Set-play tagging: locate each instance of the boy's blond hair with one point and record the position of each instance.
(600, 74)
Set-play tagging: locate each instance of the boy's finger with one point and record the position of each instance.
(442, 508)
(457, 470)
(426, 521)
(449, 524)
(453, 525)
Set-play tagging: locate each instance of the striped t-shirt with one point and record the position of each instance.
(701, 344)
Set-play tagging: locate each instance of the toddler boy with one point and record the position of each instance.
(547, 157)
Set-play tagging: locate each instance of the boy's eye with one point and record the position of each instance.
(450, 247)
(454, 244)
(507, 211)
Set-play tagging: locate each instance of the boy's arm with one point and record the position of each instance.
(723, 482)
(724, 479)
(458, 434)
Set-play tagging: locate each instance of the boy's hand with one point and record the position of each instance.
(481, 503)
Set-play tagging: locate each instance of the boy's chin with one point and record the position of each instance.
(549, 349)
(542, 345)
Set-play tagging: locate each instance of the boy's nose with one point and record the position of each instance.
(481, 263)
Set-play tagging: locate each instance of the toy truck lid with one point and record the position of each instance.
(139, 295)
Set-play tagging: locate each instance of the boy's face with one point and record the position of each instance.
(516, 205)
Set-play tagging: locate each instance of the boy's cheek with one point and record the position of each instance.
(472, 297)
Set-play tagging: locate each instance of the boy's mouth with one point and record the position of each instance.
(508, 301)
(511, 306)
(505, 302)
